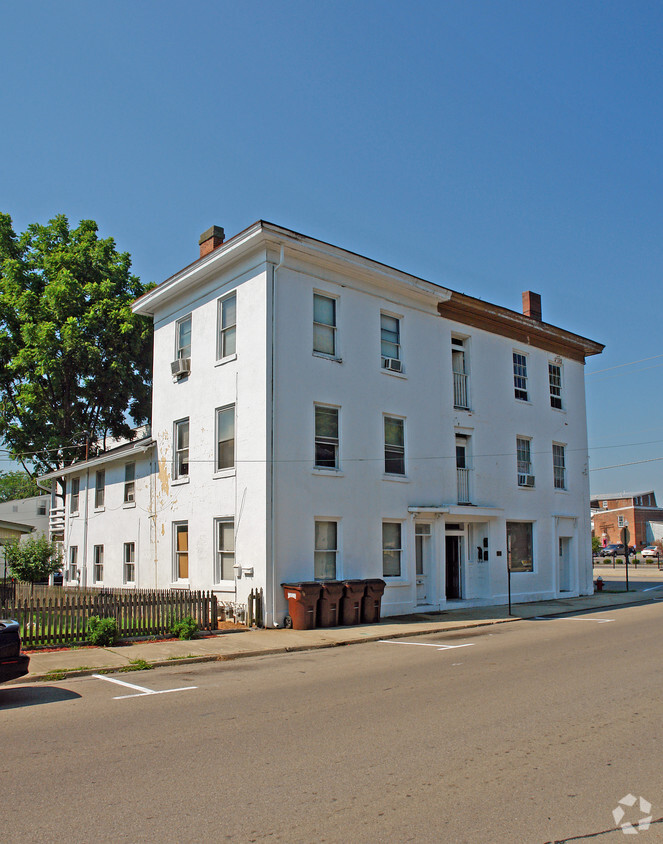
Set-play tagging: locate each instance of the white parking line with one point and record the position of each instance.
(651, 588)
(425, 644)
(571, 618)
(142, 691)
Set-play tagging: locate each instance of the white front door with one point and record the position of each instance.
(422, 535)
(564, 563)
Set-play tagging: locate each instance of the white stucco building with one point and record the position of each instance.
(317, 414)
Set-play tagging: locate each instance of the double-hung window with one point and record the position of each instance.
(129, 483)
(74, 495)
(98, 556)
(129, 564)
(326, 437)
(183, 338)
(225, 438)
(326, 550)
(73, 562)
(459, 371)
(324, 325)
(181, 450)
(391, 549)
(559, 466)
(225, 550)
(227, 326)
(394, 446)
(99, 488)
(390, 342)
(555, 385)
(524, 461)
(520, 376)
(181, 550)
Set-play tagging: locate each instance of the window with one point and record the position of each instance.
(620, 522)
(41, 508)
(225, 550)
(99, 488)
(394, 446)
(98, 557)
(225, 438)
(555, 383)
(75, 494)
(463, 468)
(459, 370)
(324, 324)
(523, 458)
(73, 562)
(183, 338)
(181, 451)
(520, 376)
(326, 437)
(129, 483)
(181, 549)
(519, 546)
(390, 342)
(227, 326)
(391, 549)
(129, 567)
(326, 549)
(604, 504)
(559, 466)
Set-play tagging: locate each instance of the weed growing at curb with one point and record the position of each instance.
(53, 676)
(186, 656)
(137, 665)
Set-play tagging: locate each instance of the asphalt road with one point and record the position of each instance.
(531, 731)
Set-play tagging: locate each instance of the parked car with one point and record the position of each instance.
(651, 551)
(614, 548)
(13, 663)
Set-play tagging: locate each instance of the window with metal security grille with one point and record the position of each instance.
(129, 563)
(524, 462)
(227, 326)
(559, 466)
(391, 549)
(74, 495)
(555, 384)
(73, 562)
(390, 341)
(394, 446)
(326, 437)
(181, 550)
(99, 488)
(520, 376)
(225, 438)
(462, 469)
(324, 325)
(181, 449)
(130, 483)
(183, 338)
(459, 371)
(326, 550)
(98, 557)
(225, 549)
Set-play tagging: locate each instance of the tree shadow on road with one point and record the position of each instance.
(15, 697)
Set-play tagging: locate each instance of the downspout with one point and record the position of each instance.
(271, 436)
(85, 521)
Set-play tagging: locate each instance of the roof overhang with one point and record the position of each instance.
(122, 453)
(460, 511)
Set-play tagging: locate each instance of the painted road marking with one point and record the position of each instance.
(651, 588)
(142, 691)
(425, 644)
(571, 618)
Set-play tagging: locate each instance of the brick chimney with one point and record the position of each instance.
(211, 240)
(531, 304)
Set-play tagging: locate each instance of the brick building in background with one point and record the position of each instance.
(637, 511)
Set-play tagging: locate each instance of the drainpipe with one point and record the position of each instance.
(85, 521)
(271, 437)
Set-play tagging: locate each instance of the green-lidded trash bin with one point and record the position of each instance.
(329, 606)
(302, 604)
(351, 601)
(372, 601)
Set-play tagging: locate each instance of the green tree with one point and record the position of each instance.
(596, 545)
(75, 362)
(17, 485)
(32, 560)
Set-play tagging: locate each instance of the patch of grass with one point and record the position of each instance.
(137, 665)
(186, 656)
(53, 676)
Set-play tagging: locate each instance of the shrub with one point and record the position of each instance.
(101, 631)
(186, 628)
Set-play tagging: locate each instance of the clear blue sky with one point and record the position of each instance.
(489, 146)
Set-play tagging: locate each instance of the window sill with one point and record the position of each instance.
(396, 580)
(530, 488)
(227, 359)
(522, 401)
(179, 481)
(327, 473)
(558, 409)
(225, 473)
(73, 515)
(225, 585)
(561, 491)
(400, 479)
(180, 584)
(464, 409)
(401, 374)
(128, 583)
(128, 505)
(101, 509)
(333, 358)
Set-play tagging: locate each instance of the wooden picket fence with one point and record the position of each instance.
(63, 619)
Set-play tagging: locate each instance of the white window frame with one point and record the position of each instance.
(322, 441)
(129, 562)
(394, 550)
(559, 470)
(621, 521)
(98, 563)
(226, 332)
(318, 552)
(523, 460)
(130, 484)
(395, 449)
(325, 325)
(100, 489)
(520, 376)
(461, 380)
(221, 554)
(229, 408)
(181, 453)
(183, 351)
(556, 389)
(74, 496)
(72, 570)
(397, 344)
(177, 553)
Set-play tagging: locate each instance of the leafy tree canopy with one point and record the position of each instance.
(73, 357)
(17, 485)
(32, 560)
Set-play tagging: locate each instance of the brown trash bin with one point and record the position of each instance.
(329, 606)
(302, 604)
(351, 601)
(372, 600)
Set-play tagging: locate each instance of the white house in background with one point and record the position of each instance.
(33, 511)
(317, 414)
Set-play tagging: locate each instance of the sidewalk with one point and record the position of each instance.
(56, 665)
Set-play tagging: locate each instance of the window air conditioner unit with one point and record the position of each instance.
(181, 366)
(525, 480)
(392, 364)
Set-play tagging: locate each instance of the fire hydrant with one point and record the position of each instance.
(599, 584)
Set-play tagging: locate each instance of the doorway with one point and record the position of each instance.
(452, 548)
(564, 563)
(422, 537)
